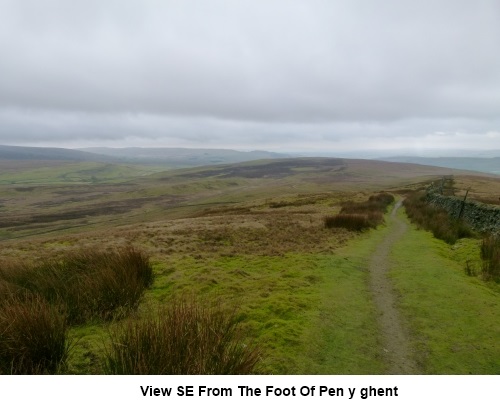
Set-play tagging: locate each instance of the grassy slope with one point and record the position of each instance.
(313, 313)
(310, 312)
(86, 196)
(305, 302)
(309, 307)
(455, 319)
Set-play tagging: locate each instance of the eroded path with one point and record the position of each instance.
(396, 352)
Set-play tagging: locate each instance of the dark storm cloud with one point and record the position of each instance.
(247, 72)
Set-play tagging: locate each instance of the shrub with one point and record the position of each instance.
(185, 338)
(33, 336)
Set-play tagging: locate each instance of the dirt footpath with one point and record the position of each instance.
(397, 352)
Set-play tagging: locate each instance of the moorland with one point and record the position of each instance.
(264, 252)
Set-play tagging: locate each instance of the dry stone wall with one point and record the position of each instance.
(480, 217)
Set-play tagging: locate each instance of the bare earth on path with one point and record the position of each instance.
(397, 352)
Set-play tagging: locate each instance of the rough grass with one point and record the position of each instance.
(377, 203)
(435, 219)
(354, 222)
(257, 242)
(88, 284)
(185, 337)
(309, 312)
(68, 199)
(33, 336)
(361, 215)
(275, 296)
(453, 318)
(266, 258)
(275, 264)
(40, 300)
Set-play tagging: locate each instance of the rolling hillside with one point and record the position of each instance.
(164, 157)
(89, 195)
(253, 236)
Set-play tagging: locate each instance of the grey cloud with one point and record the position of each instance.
(244, 71)
(83, 129)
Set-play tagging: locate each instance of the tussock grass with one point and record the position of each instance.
(38, 302)
(376, 203)
(363, 215)
(88, 284)
(353, 222)
(435, 219)
(33, 335)
(186, 337)
(105, 284)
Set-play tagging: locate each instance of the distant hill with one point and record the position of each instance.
(172, 158)
(167, 157)
(485, 165)
(58, 154)
(183, 157)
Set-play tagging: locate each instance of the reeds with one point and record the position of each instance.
(186, 337)
(38, 302)
(88, 284)
(33, 336)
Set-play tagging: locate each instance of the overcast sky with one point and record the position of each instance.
(282, 75)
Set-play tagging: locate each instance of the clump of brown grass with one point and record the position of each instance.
(362, 215)
(186, 337)
(38, 301)
(376, 203)
(353, 222)
(89, 284)
(33, 335)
